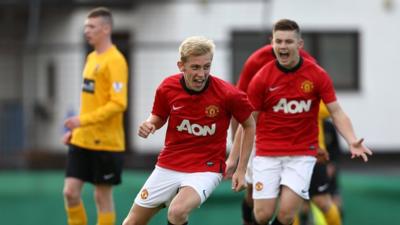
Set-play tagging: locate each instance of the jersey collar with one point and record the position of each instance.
(193, 92)
(291, 70)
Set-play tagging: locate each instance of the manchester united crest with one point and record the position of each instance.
(212, 111)
(259, 186)
(307, 86)
(144, 194)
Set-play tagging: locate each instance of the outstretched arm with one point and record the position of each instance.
(343, 125)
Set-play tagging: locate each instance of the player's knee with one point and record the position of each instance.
(262, 216)
(285, 217)
(71, 195)
(132, 220)
(323, 203)
(178, 213)
(126, 222)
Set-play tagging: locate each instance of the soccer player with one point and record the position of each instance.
(198, 107)
(332, 144)
(286, 94)
(96, 136)
(255, 62)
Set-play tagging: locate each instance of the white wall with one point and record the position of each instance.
(373, 110)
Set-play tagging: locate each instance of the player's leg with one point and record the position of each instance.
(158, 190)
(263, 210)
(289, 205)
(334, 189)
(107, 169)
(302, 217)
(139, 215)
(76, 213)
(247, 206)
(184, 202)
(320, 196)
(195, 188)
(329, 209)
(76, 174)
(318, 185)
(247, 202)
(295, 183)
(105, 205)
(266, 187)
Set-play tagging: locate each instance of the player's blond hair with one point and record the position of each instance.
(196, 46)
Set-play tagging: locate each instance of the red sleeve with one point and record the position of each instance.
(256, 90)
(240, 106)
(248, 72)
(253, 64)
(327, 90)
(161, 107)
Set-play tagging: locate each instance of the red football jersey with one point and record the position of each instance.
(257, 60)
(197, 123)
(288, 102)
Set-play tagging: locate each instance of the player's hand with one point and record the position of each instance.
(72, 122)
(146, 128)
(230, 168)
(322, 156)
(238, 181)
(66, 137)
(357, 149)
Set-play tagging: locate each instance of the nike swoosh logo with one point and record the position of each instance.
(274, 88)
(176, 107)
(108, 176)
(323, 187)
(204, 193)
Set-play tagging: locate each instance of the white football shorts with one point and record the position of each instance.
(271, 172)
(163, 184)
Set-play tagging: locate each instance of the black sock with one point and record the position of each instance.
(247, 212)
(303, 218)
(169, 223)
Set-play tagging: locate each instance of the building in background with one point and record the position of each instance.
(42, 50)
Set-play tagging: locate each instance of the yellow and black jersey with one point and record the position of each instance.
(322, 115)
(103, 101)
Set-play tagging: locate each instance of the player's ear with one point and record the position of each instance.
(301, 43)
(181, 66)
(106, 28)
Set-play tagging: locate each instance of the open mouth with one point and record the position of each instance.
(198, 82)
(284, 56)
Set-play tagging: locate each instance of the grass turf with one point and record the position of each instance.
(32, 198)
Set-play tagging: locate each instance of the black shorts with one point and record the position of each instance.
(319, 181)
(96, 167)
(333, 184)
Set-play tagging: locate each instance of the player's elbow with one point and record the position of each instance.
(120, 106)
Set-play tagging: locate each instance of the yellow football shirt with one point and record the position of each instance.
(322, 114)
(103, 102)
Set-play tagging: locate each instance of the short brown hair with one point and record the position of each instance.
(286, 25)
(102, 12)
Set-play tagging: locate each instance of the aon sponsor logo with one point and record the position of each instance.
(196, 129)
(293, 106)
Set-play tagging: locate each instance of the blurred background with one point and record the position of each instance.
(43, 50)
